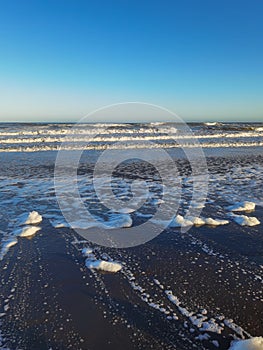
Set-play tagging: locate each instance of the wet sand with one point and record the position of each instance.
(50, 300)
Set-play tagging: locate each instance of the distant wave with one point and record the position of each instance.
(38, 148)
(45, 137)
(212, 123)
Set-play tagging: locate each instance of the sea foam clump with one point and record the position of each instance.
(242, 206)
(27, 231)
(29, 222)
(33, 218)
(108, 266)
(197, 221)
(180, 221)
(6, 244)
(207, 221)
(216, 222)
(255, 343)
(244, 220)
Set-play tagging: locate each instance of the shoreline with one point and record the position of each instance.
(198, 289)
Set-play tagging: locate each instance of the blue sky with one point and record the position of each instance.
(60, 59)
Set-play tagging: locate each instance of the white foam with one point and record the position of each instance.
(244, 220)
(33, 218)
(197, 221)
(27, 231)
(211, 123)
(59, 223)
(180, 221)
(199, 320)
(109, 266)
(114, 221)
(6, 244)
(119, 221)
(216, 222)
(103, 137)
(255, 343)
(242, 206)
(81, 224)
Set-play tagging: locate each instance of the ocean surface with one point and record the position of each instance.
(185, 289)
(44, 137)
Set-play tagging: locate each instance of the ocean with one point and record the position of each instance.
(136, 236)
(46, 137)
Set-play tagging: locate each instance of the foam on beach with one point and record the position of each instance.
(6, 244)
(108, 266)
(33, 218)
(200, 221)
(242, 206)
(23, 192)
(112, 221)
(244, 220)
(255, 343)
(197, 221)
(29, 222)
(27, 231)
(201, 320)
(216, 222)
(180, 221)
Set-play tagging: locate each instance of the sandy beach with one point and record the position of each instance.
(196, 290)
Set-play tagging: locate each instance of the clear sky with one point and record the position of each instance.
(60, 59)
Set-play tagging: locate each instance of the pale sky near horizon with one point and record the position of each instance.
(61, 59)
